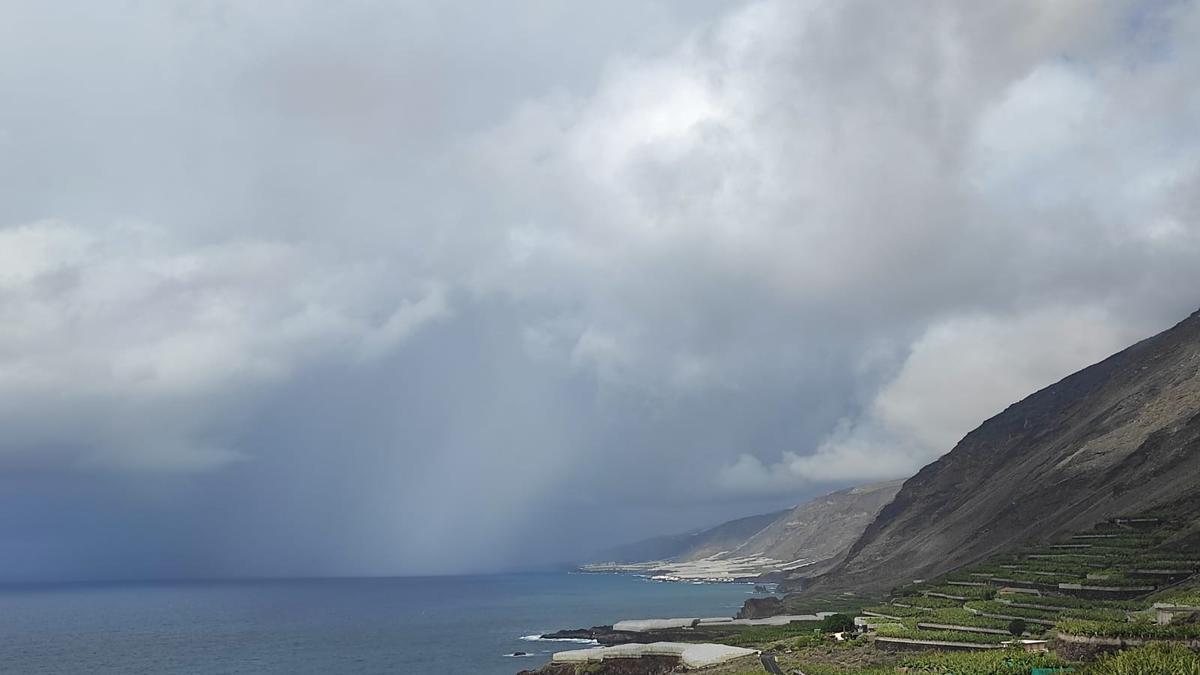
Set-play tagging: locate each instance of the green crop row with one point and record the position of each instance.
(893, 610)
(1185, 599)
(758, 635)
(968, 573)
(1051, 579)
(1153, 658)
(1072, 602)
(1188, 594)
(991, 607)
(972, 592)
(996, 662)
(942, 635)
(923, 601)
(1143, 630)
(960, 617)
(1036, 565)
(1125, 542)
(1090, 613)
(1083, 560)
(993, 662)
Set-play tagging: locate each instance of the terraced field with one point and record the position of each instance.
(1126, 592)
(1123, 598)
(1096, 584)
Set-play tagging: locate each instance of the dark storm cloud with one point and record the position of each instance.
(389, 288)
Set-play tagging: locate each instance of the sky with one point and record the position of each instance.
(372, 288)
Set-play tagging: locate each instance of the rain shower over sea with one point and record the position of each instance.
(412, 625)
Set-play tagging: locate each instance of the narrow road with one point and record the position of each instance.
(768, 662)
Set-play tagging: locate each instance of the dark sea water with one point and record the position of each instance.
(452, 625)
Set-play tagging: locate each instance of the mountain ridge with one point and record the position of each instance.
(1120, 435)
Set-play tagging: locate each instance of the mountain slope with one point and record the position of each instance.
(1120, 436)
(813, 535)
(823, 529)
(692, 545)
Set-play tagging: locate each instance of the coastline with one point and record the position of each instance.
(712, 569)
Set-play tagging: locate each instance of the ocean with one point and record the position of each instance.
(418, 626)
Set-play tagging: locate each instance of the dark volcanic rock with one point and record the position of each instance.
(1119, 437)
(605, 635)
(760, 608)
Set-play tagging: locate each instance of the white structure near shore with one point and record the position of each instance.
(689, 655)
(643, 625)
(714, 568)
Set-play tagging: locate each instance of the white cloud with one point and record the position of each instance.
(766, 244)
(975, 190)
(137, 339)
(960, 372)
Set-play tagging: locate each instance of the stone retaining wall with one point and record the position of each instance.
(893, 644)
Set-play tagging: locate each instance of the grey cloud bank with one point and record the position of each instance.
(301, 289)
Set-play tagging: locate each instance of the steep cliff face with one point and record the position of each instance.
(1120, 436)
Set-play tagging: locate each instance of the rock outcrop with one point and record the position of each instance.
(758, 608)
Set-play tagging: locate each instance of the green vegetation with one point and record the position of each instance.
(969, 592)
(796, 634)
(957, 616)
(898, 611)
(1148, 660)
(1047, 578)
(823, 669)
(1072, 567)
(1094, 614)
(1071, 602)
(1192, 600)
(942, 635)
(837, 623)
(997, 662)
(1143, 630)
(1189, 597)
(930, 603)
(762, 636)
(1124, 542)
(834, 658)
(1113, 561)
(993, 607)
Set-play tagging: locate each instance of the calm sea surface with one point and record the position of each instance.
(451, 625)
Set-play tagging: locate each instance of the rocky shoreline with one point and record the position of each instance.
(608, 636)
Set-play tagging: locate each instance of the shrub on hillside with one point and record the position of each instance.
(837, 623)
